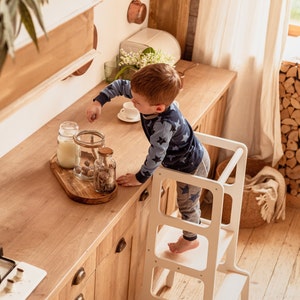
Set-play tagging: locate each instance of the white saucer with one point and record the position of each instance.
(123, 118)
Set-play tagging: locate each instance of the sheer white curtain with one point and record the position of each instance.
(248, 37)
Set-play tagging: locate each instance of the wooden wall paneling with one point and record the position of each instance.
(191, 30)
(65, 44)
(171, 16)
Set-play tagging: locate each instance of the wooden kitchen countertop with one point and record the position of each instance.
(39, 224)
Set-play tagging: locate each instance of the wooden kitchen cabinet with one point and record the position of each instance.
(66, 235)
(114, 260)
(139, 242)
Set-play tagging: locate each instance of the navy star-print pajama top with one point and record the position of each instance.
(173, 145)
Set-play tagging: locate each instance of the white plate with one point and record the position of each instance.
(123, 118)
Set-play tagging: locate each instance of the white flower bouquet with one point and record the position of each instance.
(133, 61)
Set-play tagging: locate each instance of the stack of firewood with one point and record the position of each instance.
(289, 89)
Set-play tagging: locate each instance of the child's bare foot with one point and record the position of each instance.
(183, 245)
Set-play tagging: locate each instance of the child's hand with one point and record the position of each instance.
(93, 111)
(128, 180)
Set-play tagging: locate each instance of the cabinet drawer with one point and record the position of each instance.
(82, 281)
(87, 291)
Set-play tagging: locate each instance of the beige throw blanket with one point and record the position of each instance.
(270, 184)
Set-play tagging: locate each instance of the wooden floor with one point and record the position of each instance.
(271, 254)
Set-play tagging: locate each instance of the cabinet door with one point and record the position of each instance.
(139, 243)
(114, 260)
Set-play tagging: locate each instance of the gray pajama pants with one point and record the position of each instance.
(188, 197)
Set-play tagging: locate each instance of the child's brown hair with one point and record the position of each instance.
(159, 83)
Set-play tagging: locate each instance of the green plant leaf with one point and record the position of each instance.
(3, 54)
(7, 36)
(14, 13)
(35, 6)
(28, 23)
(43, 1)
(148, 50)
(13, 8)
(123, 70)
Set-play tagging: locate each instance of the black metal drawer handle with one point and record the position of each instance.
(121, 245)
(79, 276)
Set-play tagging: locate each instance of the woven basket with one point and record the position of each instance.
(250, 213)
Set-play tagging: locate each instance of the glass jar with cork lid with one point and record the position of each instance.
(105, 171)
(89, 141)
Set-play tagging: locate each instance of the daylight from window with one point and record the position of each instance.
(295, 12)
(292, 47)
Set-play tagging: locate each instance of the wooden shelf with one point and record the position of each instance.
(32, 68)
(60, 75)
(56, 13)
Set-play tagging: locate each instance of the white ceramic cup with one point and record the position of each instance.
(129, 111)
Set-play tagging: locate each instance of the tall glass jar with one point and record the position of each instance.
(105, 171)
(67, 151)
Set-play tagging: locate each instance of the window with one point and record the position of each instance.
(294, 26)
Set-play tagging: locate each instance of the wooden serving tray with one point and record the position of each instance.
(78, 190)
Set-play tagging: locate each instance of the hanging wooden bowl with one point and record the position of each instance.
(136, 12)
(85, 67)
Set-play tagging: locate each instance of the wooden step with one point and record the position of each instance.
(195, 259)
(232, 286)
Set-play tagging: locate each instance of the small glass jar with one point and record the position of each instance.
(105, 171)
(67, 151)
(88, 141)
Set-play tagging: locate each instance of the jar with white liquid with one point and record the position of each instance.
(68, 151)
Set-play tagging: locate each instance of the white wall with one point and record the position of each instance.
(112, 26)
